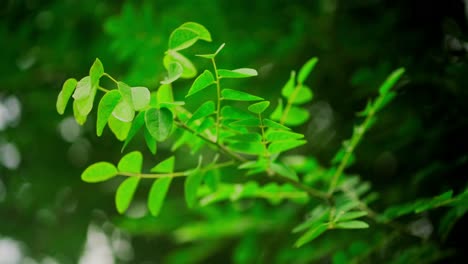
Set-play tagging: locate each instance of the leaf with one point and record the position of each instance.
(278, 112)
(252, 148)
(283, 170)
(200, 30)
(213, 55)
(98, 172)
(119, 128)
(281, 146)
(229, 94)
(150, 141)
(188, 69)
(350, 215)
(192, 182)
(237, 73)
(105, 108)
(306, 69)
(205, 124)
(312, 234)
(85, 105)
(95, 73)
(131, 162)
(159, 122)
(245, 137)
(296, 116)
(138, 122)
(174, 71)
(67, 90)
(83, 88)
(288, 88)
(303, 95)
(126, 92)
(275, 125)
(352, 225)
(282, 135)
(164, 94)
(258, 108)
(157, 194)
(204, 110)
(123, 111)
(182, 38)
(125, 192)
(229, 112)
(203, 81)
(80, 119)
(391, 80)
(140, 98)
(165, 166)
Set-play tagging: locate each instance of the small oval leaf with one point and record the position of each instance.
(65, 94)
(125, 193)
(105, 108)
(258, 108)
(203, 81)
(192, 182)
(229, 94)
(182, 38)
(159, 122)
(238, 73)
(157, 195)
(131, 162)
(98, 172)
(306, 69)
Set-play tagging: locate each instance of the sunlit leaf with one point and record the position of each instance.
(80, 119)
(150, 141)
(182, 38)
(95, 73)
(252, 122)
(252, 148)
(288, 88)
(188, 69)
(157, 194)
(278, 112)
(302, 95)
(67, 90)
(123, 111)
(281, 146)
(352, 225)
(140, 98)
(125, 193)
(192, 182)
(229, 94)
(159, 122)
(391, 80)
(98, 172)
(230, 112)
(238, 73)
(259, 107)
(83, 88)
(119, 128)
(213, 55)
(174, 71)
(85, 105)
(282, 135)
(312, 234)
(105, 108)
(201, 82)
(165, 166)
(131, 162)
(275, 125)
(283, 170)
(245, 137)
(137, 123)
(200, 30)
(306, 69)
(296, 116)
(350, 215)
(204, 110)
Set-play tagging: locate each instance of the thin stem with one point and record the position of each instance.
(154, 175)
(103, 89)
(314, 193)
(218, 98)
(266, 153)
(349, 150)
(110, 77)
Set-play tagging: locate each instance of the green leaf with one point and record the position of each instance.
(85, 105)
(252, 148)
(296, 116)
(229, 94)
(174, 71)
(192, 182)
(80, 119)
(312, 234)
(245, 137)
(105, 108)
(303, 95)
(182, 38)
(164, 94)
(352, 225)
(252, 122)
(282, 135)
(306, 69)
(136, 125)
(125, 193)
(140, 98)
(126, 92)
(131, 162)
(98, 172)
(119, 128)
(204, 110)
(200, 30)
(350, 215)
(203, 81)
(67, 90)
(188, 69)
(159, 122)
(150, 141)
(229, 112)
(123, 111)
(278, 112)
(283, 170)
(288, 88)
(95, 73)
(274, 125)
(281, 146)
(391, 80)
(258, 108)
(165, 166)
(83, 88)
(157, 194)
(237, 73)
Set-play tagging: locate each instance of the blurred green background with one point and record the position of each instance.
(418, 147)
